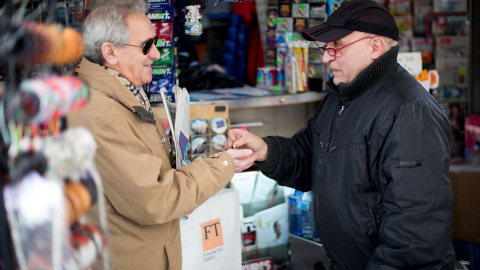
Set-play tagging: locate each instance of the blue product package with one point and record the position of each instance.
(156, 4)
(332, 5)
(157, 83)
(154, 98)
(159, 12)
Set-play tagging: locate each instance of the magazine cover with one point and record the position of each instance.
(272, 226)
(178, 115)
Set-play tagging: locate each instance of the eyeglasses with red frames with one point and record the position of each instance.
(147, 46)
(333, 52)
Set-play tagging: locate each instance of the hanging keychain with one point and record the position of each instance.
(193, 20)
(36, 214)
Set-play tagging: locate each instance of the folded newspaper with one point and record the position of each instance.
(178, 114)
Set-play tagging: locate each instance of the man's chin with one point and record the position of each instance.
(337, 81)
(148, 80)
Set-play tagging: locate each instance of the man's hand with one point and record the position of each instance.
(242, 139)
(242, 158)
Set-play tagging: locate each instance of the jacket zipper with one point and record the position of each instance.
(339, 114)
(335, 128)
(336, 125)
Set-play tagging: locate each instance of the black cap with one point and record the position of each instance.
(355, 15)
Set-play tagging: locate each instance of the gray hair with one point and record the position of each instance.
(390, 42)
(107, 23)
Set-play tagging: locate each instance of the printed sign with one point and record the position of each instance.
(411, 61)
(212, 236)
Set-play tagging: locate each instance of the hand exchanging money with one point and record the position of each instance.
(241, 139)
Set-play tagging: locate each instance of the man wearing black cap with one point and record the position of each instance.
(375, 156)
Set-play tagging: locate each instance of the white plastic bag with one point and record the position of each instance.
(211, 234)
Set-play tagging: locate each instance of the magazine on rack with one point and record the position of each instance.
(178, 115)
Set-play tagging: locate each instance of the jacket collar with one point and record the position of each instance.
(97, 77)
(368, 77)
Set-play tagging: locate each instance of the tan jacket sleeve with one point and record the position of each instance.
(138, 183)
(138, 188)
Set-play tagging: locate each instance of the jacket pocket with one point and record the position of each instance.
(346, 144)
(375, 214)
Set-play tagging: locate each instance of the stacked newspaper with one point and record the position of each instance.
(178, 114)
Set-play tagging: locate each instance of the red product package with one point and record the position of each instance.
(163, 28)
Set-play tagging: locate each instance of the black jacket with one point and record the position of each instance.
(376, 157)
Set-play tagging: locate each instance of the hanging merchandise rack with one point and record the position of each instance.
(49, 180)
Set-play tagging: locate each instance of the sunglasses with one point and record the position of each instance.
(147, 46)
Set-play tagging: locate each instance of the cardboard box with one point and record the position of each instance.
(465, 180)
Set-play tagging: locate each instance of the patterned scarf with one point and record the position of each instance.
(137, 92)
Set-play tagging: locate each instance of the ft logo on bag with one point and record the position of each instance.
(212, 236)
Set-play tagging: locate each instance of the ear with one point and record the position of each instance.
(378, 47)
(109, 54)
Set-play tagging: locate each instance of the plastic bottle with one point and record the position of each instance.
(308, 225)
(294, 212)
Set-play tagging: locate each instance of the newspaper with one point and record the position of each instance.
(178, 115)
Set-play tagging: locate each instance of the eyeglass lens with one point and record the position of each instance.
(330, 51)
(148, 45)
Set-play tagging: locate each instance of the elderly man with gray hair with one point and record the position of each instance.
(145, 196)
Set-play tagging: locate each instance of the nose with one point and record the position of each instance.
(154, 53)
(326, 58)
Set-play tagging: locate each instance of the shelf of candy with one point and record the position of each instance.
(296, 66)
(286, 56)
(160, 13)
(52, 182)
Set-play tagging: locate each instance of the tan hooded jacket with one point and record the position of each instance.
(145, 197)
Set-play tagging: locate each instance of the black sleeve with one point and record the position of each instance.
(271, 163)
